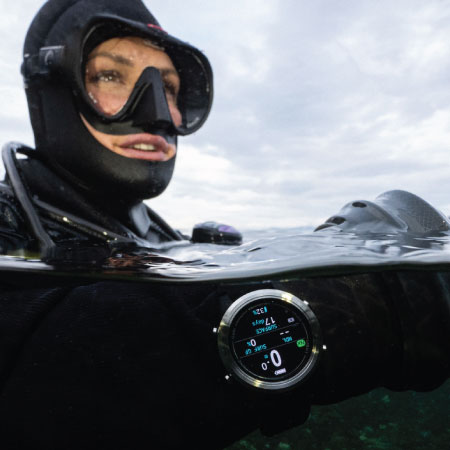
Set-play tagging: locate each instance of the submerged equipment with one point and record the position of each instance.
(57, 45)
(270, 340)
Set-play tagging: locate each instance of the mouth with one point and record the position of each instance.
(144, 146)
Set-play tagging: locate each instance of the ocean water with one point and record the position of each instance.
(263, 254)
(380, 419)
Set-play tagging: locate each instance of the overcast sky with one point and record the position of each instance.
(317, 103)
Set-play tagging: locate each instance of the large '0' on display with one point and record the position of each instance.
(275, 357)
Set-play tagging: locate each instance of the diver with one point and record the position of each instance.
(109, 92)
(117, 364)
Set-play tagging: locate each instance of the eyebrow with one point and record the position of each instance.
(167, 72)
(116, 58)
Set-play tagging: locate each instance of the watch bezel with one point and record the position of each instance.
(226, 353)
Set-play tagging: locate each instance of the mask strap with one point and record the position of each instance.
(43, 63)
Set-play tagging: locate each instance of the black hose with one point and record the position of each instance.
(9, 160)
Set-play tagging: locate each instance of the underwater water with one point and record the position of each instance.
(381, 419)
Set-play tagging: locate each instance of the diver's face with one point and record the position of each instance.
(112, 70)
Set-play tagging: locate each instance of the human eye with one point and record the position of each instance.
(105, 76)
(171, 89)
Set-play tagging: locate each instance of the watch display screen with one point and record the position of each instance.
(270, 340)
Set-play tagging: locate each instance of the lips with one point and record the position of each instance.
(146, 146)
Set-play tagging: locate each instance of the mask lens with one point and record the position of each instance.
(108, 84)
(113, 68)
(113, 73)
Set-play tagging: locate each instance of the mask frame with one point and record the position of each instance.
(68, 62)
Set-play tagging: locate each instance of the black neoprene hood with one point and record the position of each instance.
(56, 100)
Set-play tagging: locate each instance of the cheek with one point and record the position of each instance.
(106, 103)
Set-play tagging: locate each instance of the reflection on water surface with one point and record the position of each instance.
(324, 252)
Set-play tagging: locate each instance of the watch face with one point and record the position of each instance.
(269, 339)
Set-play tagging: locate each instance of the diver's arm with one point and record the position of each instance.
(126, 365)
(120, 365)
(389, 329)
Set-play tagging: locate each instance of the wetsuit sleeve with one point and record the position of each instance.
(119, 365)
(123, 365)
